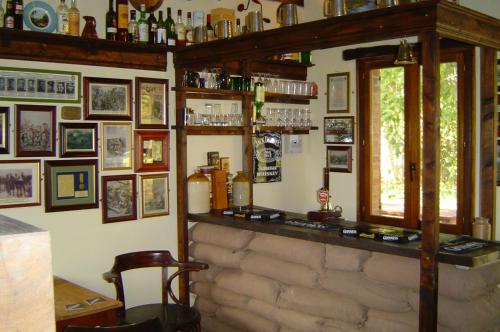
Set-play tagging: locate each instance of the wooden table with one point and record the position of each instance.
(76, 305)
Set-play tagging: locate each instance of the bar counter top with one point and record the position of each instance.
(473, 258)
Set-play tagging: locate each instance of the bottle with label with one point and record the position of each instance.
(170, 27)
(210, 29)
(111, 24)
(74, 19)
(153, 28)
(2, 15)
(143, 25)
(258, 100)
(180, 30)
(122, 20)
(238, 30)
(18, 14)
(9, 14)
(62, 18)
(133, 29)
(189, 30)
(161, 34)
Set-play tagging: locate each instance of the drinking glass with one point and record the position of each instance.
(207, 116)
(217, 118)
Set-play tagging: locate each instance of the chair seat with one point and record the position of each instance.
(173, 317)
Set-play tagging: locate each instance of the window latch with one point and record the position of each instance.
(413, 168)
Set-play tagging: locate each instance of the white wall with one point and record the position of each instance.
(83, 247)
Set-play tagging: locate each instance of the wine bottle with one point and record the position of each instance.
(161, 35)
(9, 14)
(18, 14)
(180, 31)
(170, 26)
(143, 25)
(258, 100)
(122, 20)
(111, 24)
(189, 30)
(210, 29)
(238, 31)
(74, 19)
(62, 18)
(153, 28)
(2, 15)
(133, 29)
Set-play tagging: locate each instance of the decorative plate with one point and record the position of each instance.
(39, 16)
(151, 5)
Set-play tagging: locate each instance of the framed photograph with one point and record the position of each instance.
(154, 195)
(107, 98)
(151, 151)
(71, 185)
(339, 130)
(116, 145)
(339, 159)
(151, 107)
(35, 131)
(338, 93)
(4, 127)
(119, 201)
(19, 183)
(39, 85)
(77, 139)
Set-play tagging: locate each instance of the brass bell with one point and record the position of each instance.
(405, 54)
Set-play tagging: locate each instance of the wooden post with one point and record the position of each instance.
(430, 182)
(488, 135)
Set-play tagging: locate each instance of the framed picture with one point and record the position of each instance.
(338, 93)
(77, 139)
(19, 183)
(71, 185)
(151, 151)
(151, 103)
(35, 131)
(107, 98)
(339, 159)
(154, 195)
(119, 201)
(116, 145)
(39, 85)
(339, 130)
(4, 127)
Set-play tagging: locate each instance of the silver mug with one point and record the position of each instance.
(223, 29)
(200, 34)
(254, 22)
(287, 15)
(333, 8)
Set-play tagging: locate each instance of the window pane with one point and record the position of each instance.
(387, 142)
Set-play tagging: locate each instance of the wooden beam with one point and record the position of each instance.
(488, 135)
(430, 184)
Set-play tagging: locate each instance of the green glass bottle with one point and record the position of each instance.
(258, 101)
(143, 26)
(170, 27)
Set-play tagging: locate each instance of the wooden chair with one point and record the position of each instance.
(150, 325)
(173, 316)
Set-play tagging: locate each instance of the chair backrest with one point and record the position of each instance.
(150, 325)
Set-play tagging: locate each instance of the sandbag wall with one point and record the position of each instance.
(265, 283)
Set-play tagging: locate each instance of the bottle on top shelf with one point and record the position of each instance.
(2, 15)
(161, 32)
(122, 20)
(210, 29)
(189, 30)
(143, 26)
(153, 28)
(111, 22)
(62, 18)
(133, 29)
(170, 27)
(18, 14)
(180, 30)
(9, 16)
(238, 30)
(74, 19)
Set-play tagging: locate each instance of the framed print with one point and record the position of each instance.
(151, 107)
(151, 151)
(77, 139)
(19, 183)
(119, 202)
(107, 98)
(39, 85)
(339, 130)
(339, 159)
(154, 195)
(35, 131)
(338, 93)
(71, 185)
(4, 127)
(116, 145)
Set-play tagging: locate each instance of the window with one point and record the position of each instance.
(390, 120)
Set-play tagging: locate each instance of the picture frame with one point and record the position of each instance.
(338, 88)
(21, 179)
(77, 139)
(71, 185)
(339, 159)
(151, 151)
(154, 195)
(119, 200)
(40, 85)
(107, 99)
(4, 130)
(151, 106)
(339, 130)
(35, 131)
(116, 146)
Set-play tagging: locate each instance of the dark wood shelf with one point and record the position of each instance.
(285, 130)
(51, 47)
(212, 130)
(288, 99)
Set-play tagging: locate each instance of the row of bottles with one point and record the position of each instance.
(12, 16)
(68, 19)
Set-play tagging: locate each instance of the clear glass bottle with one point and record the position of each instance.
(74, 19)
(111, 22)
(62, 18)
(238, 30)
(189, 30)
(180, 31)
(170, 26)
(133, 29)
(2, 15)
(161, 33)
(143, 26)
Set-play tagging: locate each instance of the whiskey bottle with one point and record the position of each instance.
(122, 20)
(18, 14)
(9, 14)
(74, 19)
(180, 31)
(170, 26)
(189, 30)
(62, 18)
(111, 24)
(133, 29)
(143, 26)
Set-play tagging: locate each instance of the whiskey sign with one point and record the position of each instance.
(267, 157)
